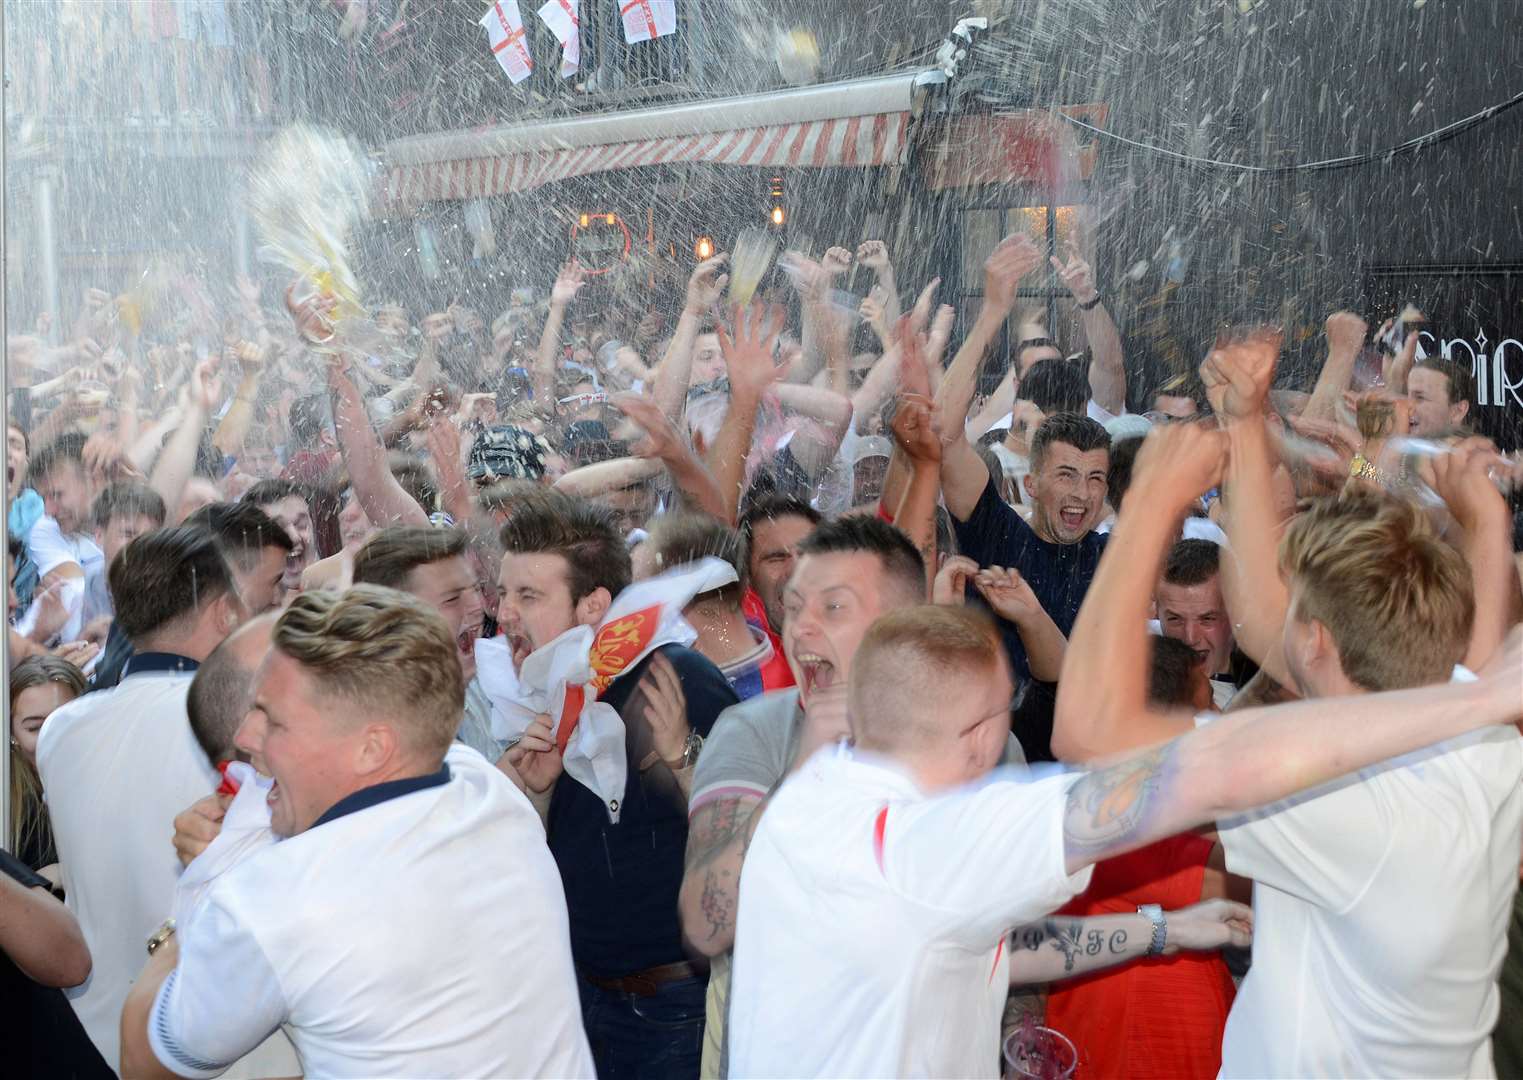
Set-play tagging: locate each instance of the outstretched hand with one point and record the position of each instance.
(568, 283)
(750, 346)
(1076, 275)
(1014, 257)
(916, 429)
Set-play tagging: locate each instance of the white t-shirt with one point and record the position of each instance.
(1380, 912)
(421, 935)
(117, 766)
(50, 549)
(871, 933)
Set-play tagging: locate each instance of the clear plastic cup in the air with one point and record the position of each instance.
(1039, 1053)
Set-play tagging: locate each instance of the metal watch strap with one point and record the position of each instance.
(160, 936)
(1154, 913)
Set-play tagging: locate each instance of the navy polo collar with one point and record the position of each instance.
(159, 663)
(376, 794)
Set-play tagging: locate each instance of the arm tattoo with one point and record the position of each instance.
(712, 831)
(1109, 808)
(1069, 937)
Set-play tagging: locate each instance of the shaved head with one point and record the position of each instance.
(930, 687)
(221, 692)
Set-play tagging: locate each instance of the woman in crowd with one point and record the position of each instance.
(39, 685)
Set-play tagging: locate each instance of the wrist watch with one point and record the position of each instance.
(692, 746)
(1154, 912)
(160, 936)
(1091, 304)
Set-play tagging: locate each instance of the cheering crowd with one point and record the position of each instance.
(755, 691)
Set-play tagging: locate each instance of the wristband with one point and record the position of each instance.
(1092, 304)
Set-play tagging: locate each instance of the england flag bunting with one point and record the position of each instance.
(505, 34)
(561, 17)
(646, 20)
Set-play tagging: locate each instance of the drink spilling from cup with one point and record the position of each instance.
(1034, 1052)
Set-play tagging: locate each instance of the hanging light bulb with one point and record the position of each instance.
(778, 217)
(703, 247)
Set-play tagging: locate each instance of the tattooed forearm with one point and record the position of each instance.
(718, 837)
(1072, 938)
(718, 902)
(1108, 809)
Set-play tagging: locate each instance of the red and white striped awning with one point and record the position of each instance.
(848, 124)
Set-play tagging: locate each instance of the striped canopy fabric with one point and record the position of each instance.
(865, 140)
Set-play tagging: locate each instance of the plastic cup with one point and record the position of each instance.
(1039, 1053)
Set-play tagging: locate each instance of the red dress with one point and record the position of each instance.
(1150, 1018)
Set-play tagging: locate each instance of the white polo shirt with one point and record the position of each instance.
(1380, 910)
(871, 933)
(419, 929)
(117, 766)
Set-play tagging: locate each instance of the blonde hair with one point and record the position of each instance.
(910, 655)
(1397, 600)
(385, 652)
(29, 814)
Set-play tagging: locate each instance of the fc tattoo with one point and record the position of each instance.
(1069, 937)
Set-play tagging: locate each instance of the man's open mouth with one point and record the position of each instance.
(1073, 516)
(816, 672)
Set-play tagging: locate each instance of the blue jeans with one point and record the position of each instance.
(633, 1036)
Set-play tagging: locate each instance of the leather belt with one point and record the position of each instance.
(648, 982)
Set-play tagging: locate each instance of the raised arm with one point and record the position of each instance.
(1345, 337)
(814, 450)
(1462, 478)
(664, 444)
(1102, 704)
(444, 444)
(918, 439)
(601, 477)
(234, 427)
(705, 286)
(178, 459)
(567, 284)
(748, 356)
(963, 476)
(1237, 381)
(1245, 760)
(1107, 365)
(873, 254)
(382, 497)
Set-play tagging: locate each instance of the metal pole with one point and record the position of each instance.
(5, 487)
(47, 244)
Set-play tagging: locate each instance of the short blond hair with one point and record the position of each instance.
(907, 658)
(384, 652)
(1397, 600)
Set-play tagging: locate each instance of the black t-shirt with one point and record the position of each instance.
(41, 1034)
(1059, 575)
(621, 880)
